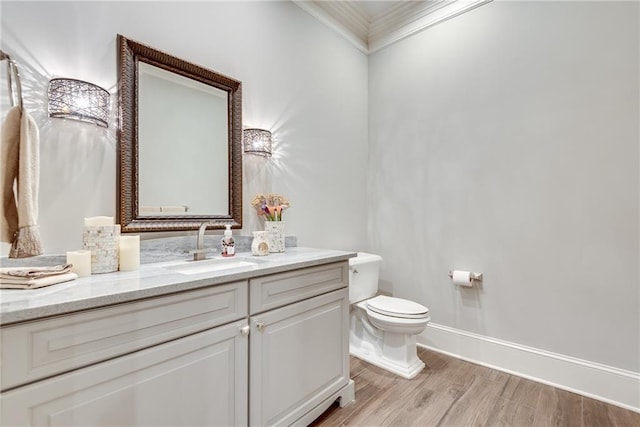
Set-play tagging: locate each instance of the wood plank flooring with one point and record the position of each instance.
(452, 392)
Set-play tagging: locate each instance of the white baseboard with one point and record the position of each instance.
(611, 385)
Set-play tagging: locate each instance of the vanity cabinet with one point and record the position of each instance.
(299, 352)
(174, 360)
(39, 349)
(270, 350)
(297, 358)
(196, 380)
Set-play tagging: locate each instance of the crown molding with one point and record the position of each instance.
(403, 22)
(370, 34)
(348, 14)
(347, 21)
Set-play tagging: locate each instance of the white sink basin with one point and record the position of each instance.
(210, 265)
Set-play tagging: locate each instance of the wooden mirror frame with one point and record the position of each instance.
(129, 54)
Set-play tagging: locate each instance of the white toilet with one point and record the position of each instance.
(382, 329)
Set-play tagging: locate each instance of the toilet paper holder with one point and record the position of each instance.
(474, 276)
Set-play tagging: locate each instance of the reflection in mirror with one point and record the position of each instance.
(180, 133)
(162, 120)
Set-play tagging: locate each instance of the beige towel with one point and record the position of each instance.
(35, 282)
(9, 155)
(20, 162)
(33, 272)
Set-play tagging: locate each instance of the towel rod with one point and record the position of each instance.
(12, 68)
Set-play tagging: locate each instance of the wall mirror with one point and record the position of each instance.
(179, 143)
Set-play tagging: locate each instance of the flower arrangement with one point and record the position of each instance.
(270, 206)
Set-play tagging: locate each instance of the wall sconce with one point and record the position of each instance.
(257, 141)
(79, 100)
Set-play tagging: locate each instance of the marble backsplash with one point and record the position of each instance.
(153, 250)
(171, 248)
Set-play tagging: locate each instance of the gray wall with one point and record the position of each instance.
(300, 80)
(505, 141)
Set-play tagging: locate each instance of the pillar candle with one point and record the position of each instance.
(81, 262)
(129, 253)
(99, 221)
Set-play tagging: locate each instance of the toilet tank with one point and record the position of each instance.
(363, 276)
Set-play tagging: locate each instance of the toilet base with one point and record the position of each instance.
(406, 371)
(393, 351)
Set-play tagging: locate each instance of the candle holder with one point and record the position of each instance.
(103, 241)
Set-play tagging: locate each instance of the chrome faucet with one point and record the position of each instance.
(201, 253)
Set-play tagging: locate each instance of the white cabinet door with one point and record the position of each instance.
(197, 380)
(299, 356)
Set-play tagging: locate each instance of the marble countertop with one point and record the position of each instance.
(151, 280)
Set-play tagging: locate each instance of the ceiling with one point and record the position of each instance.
(375, 8)
(372, 25)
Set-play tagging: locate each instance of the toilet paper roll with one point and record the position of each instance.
(461, 278)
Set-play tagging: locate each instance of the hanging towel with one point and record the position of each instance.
(9, 152)
(21, 164)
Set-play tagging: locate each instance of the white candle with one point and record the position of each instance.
(98, 221)
(81, 262)
(129, 253)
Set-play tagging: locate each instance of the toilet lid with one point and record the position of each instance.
(397, 307)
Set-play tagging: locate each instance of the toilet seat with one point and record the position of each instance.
(398, 325)
(397, 307)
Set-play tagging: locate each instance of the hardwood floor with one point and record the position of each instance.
(452, 392)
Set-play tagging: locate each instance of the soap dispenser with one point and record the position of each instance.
(228, 244)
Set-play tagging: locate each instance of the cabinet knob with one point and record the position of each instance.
(244, 331)
(260, 326)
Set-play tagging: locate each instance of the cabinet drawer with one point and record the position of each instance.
(38, 349)
(285, 288)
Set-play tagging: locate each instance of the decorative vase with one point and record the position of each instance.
(260, 243)
(275, 230)
(103, 241)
